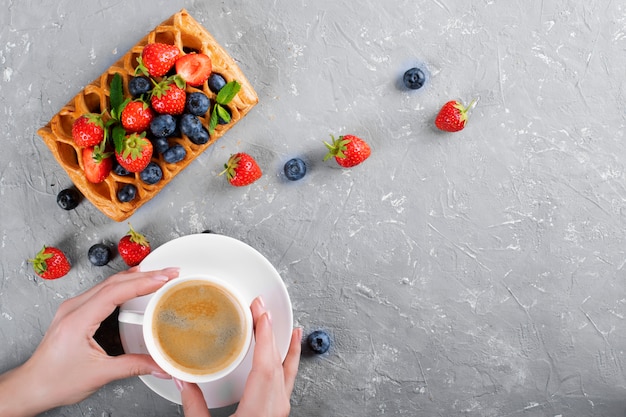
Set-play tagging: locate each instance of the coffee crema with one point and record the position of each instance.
(199, 326)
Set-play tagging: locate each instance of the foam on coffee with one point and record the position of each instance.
(199, 327)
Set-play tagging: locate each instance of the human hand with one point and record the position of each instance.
(270, 383)
(69, 365)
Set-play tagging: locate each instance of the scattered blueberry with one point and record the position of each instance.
(207, 231)
(138, 86)
(222, 121)
(99, 254)
(216, 82)
(163, 125)
(319, 341)
(197, 103)
(414, 78)
(191, 126)
(120, 170)
(295, 169)
(160, 144)
(174, 154)
(68, 199)
(151, 174)
(127, 193)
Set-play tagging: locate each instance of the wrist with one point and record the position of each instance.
(19, 395)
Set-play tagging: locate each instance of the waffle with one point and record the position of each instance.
(185, 32)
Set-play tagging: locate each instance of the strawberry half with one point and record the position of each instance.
(194, 68)
(168, 96)
(88, 130)
(50, 263)
(133, 152)
(348, 150)
(157, 59)
(97, 164)
(453, 116)
(133, 247)
(241, 169)
(136, 116)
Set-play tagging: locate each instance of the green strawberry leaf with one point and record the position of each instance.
(228, 92)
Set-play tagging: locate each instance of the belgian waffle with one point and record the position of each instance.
(185, 32)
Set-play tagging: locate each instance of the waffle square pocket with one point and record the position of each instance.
(189, 36)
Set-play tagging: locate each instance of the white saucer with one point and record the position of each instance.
(246, 268)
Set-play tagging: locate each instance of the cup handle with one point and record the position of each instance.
(130, 317)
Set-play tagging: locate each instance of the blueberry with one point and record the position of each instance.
(138, 86)
(151, 174)
(163, 125)
(295, 169)
(174, 154)
(197, 103)
(216, 82)
(68, 199)
(127, 193)
(160, 144)
(414, 78)
(318, 341)
(120, 170)
(99, 254)
(191, 126)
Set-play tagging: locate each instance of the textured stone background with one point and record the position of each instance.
(471, 274)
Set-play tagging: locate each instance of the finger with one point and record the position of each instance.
(292, 360)
(258, 308)
(109, 296)
(194, 404)
(129, 365)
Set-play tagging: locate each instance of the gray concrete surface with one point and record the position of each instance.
(471, 274)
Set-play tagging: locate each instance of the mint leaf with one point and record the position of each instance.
(119, 136)
(213, 120)
(228, 92)
(223, 113)
(116, 94)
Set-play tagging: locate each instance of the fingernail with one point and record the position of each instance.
(269, 317)
(299, 333)
(179, 384)
(162, 278)
(171, 269)
(261, 301)
(161, 375)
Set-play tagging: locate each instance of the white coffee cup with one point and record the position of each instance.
(147, 320)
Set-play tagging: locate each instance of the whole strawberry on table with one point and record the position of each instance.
(50, 263)
(453, 115)
(348, 150)
(133, 247)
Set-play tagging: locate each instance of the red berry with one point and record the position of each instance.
(157, 59)
(194, 68)
(168, 97)
(88, 130)
(241, 169)
(133, 247)
(348, 150)
(453, 116)
(50, 263)
(136, 116)
(133, 152)
(96, 164)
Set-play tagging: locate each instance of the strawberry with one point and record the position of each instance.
(348, 150)
(136, 116)
(157, 59)
(50, 263)
(241, 169)
(97, 164)
(453, 116)
(88, 130)
(133, 247)
(133, 152)
(195, 69)
(168, 96)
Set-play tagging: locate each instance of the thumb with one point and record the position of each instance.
(131, 364)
